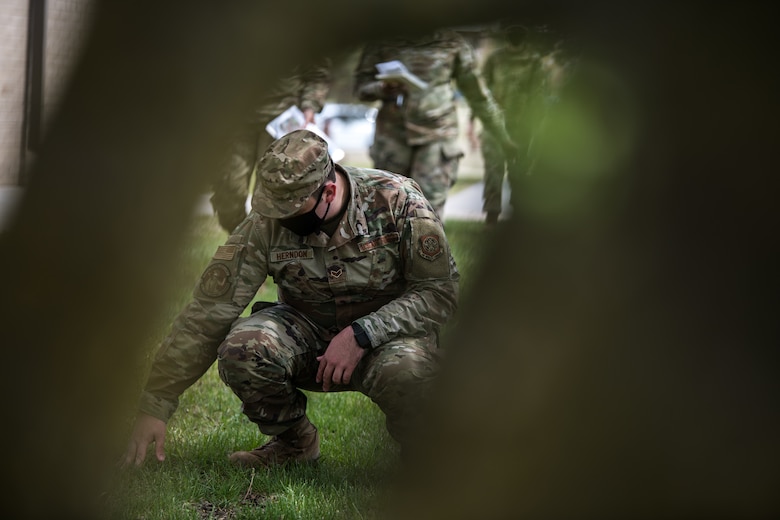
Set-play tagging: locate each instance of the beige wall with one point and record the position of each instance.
(66, 24)
(65, 20)
(13, 35)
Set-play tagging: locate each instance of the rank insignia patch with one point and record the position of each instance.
(430, 247)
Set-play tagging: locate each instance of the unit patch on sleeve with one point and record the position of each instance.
(215, 280)
(428, 252)
(430, 247)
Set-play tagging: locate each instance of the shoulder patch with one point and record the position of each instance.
(428, 251)
(430, 247)
(215, 281)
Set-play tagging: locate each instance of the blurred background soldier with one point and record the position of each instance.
(513, 73)
(417, 128)
(306, 89)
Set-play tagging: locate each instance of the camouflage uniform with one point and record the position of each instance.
(387, 266)
(417, 136)
(306, 90)
(513, 74)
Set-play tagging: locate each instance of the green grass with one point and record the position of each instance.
(197, 482)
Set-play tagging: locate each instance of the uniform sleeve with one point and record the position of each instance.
(472, 85)
(226, 287)
(366, 86)
(315, 86)
(487, 70)
(432, 279)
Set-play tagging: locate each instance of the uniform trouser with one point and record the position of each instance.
(270, 356)
(434, 166)
(231, 188)
(496, 166)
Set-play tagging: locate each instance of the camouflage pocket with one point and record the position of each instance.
(435, 102)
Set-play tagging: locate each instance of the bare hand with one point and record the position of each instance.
(339, 360)
(147, 430)
(308, 117)
(510, 148)
(392, 89)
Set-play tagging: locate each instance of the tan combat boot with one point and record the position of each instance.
(300, 443)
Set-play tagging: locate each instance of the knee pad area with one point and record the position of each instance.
(400, 371)
(244, 360)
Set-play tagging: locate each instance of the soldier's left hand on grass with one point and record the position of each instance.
(147, 430)
(339, 360)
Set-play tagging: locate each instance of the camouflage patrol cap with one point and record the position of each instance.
(290, 171)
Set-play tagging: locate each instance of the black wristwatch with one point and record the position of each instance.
(360, 336)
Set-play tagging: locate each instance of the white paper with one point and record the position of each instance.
(397, 71)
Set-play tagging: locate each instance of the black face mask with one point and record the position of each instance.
(307, 223)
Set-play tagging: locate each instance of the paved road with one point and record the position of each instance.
(466, 204)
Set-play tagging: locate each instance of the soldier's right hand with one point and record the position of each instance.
(147, 430)
(392, 89)
(510, 148)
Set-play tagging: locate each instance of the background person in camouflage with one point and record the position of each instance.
(365, 279)
(306, 89)
(416, 130)
(513, 73)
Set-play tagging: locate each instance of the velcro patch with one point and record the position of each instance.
(390, 238)
(225, 252)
